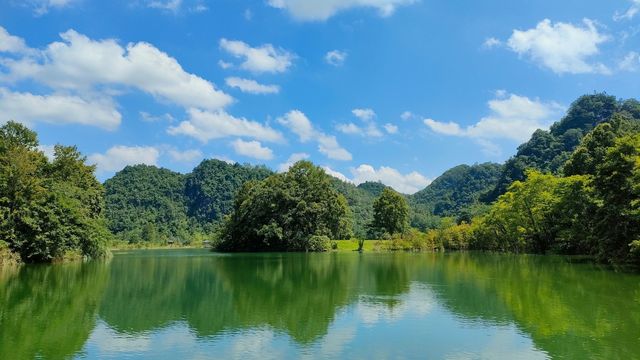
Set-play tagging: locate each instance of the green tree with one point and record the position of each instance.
(390, 213)
(48, 208)
(284, 211)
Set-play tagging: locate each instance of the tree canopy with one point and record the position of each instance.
(287, 212)
(390, 213)
(48, 208)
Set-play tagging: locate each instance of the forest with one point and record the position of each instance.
(572, 190)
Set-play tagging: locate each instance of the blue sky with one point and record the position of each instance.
(391, 90)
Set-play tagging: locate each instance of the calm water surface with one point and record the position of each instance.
(193, 304)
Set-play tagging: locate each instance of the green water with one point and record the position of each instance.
(193, 304)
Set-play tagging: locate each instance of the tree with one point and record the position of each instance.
(617, 187)
(48, 208)
(284, 211)
(390, 213)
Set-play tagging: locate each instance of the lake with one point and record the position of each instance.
(194, 304)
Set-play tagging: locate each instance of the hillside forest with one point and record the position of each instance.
(573, 189)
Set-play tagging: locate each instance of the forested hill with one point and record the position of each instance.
(150, 204)
(547, 151)
(458, 190)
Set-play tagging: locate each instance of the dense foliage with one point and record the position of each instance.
(293, 211)
(458, 190)
(594, 211)
(48, 208)
(390, 214)
(146, 203)
(150, 205)
(211, 187)
(547, 151)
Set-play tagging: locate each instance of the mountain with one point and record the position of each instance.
(458, 189)
(547, 151)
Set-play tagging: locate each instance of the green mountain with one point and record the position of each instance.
(458, 189)
(547, 151)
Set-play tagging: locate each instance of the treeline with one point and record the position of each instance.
(49, 209)
(588, 206)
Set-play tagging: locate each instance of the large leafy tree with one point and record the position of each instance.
(390, 213)
(48, 208)
(285, 212)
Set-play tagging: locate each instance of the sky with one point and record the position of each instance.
(396, 91)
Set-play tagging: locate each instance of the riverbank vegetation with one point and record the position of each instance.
(49, 209)
(573, 189)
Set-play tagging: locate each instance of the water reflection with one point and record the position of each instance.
(192, 304)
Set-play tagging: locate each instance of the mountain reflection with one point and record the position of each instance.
(289, 305)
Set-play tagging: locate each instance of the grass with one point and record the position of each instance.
(369, 245)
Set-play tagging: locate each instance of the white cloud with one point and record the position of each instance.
(28, 108)
(631, 62)
(205, 126)
(314, 10)
(225, 159)
(294, 158)
(169, 5)
(407, 115)
(370, 128)
(446, 128)
(633, 10)
(82, 64)
(298, 122)
(186, 156)
(10, 43)
(364, 114)
(225, 65)
(336, 174)
(117, 157)
(41, 7)
(300, 125)
(561, 47)
(349, 128)
(491, 42)
(252, 149)
(512, 117)
(328, 145)
(265, 58)
(251, 86)
(154, 118)
(390, 128)
(405, 183)
(335, 57)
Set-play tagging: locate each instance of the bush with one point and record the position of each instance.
(319, 243)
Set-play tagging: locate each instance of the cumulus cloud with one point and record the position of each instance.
(300, 125)
(631, 12)
(186, 156)
(369, 128)
(314, 10)
(491, 42)
(117, 157)
(252, 149)
(390, 128)
(409, 183)
(265, 58)
(561, 47)
(206, 125)
(12, 44)
(251, 86)
(294, 158)
(28, 108)
(41, 7)
(513, 117)
(145, 116)
(81, 64)
(335, 57)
